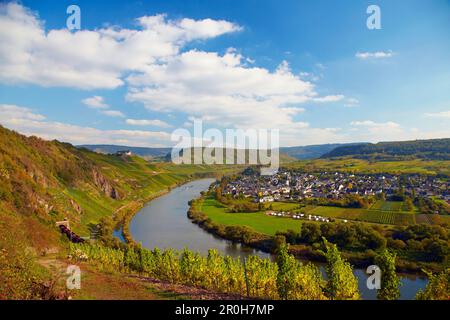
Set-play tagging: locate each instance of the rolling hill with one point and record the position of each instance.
(433, 149)
(300, 153)
(42, 182)
(312, 151)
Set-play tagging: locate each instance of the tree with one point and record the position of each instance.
(285, 270)
(310, 233)
(219, 194)
(342, 283)
(438, 287)
(389, 280)
(409, 206)
(296, 281)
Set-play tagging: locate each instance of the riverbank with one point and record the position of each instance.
(163, 224)
(247, 236)
(122, 218)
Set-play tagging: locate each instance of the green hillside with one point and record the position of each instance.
(312, 151)
(42, 182)
(433, 149)
(53, 180)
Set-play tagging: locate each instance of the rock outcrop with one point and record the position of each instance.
(104, 185)
(76, 206)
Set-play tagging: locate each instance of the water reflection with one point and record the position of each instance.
(163, 223)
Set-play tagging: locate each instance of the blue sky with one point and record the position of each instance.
(309, 68)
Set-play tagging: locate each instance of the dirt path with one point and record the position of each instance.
(98, 285)
(186, 291)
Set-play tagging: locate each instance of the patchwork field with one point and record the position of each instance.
(365, 215)
(261, 222)
(358, 165)
(388, 205)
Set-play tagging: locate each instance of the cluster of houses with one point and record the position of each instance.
(299, 216)
(122, 153)
(292, 185)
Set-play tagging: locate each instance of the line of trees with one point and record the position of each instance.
(435, 149)
(418, 243)
(286, 278)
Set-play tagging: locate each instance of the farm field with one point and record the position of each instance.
(284, 206)
(387, 205)
(258, 221)
(389, 213)
(365, 215)
(432, 219)
(427, 167)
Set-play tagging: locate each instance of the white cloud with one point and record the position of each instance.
(11, 112)
(223, 91)
(372, 131)
(112, 113)
(145, 122)
(351, 102)
(95, 102)
(332, 98)
(26, 122)
(309, 76)
(221, 88)
(374, 55)
(441, 115)
(91, 59)
(372, 124)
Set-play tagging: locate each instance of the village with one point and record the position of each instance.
(289, 185)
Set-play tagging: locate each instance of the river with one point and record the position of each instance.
(163, 223)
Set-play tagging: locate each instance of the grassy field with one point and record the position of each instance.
(258, 221)
(284, 206)
(362, 166)
(261, 222)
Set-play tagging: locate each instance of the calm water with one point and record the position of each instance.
(163, 223)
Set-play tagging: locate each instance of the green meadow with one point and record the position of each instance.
(258, 221)
(382, 212)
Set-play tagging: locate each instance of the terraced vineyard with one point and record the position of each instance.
(365, 215)
(388, 205)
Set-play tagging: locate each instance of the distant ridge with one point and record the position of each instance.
(301, 153)
(140, 151)
(313, 151)
(432, 149)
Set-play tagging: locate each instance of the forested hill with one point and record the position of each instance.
(434, 149)
(312, 151)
